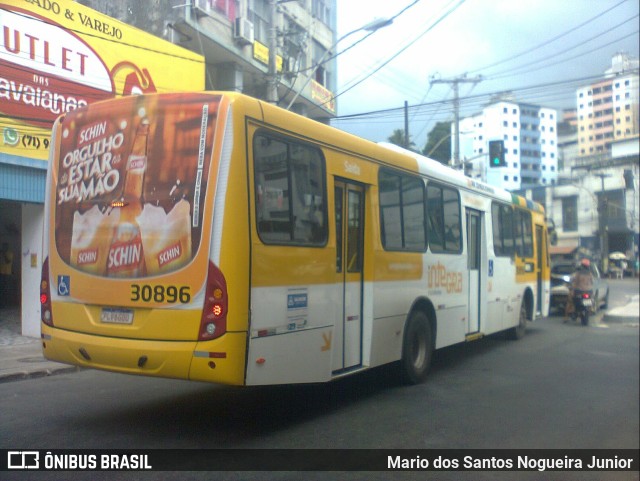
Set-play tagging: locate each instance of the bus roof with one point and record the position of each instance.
(323, 133)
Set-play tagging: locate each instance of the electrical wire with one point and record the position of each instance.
(357, 42)
(395, 55)
(515, 70)
(529, 68)
(477, 99)
(367, 74)
(547, 42)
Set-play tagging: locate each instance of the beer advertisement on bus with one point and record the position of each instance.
(131, 178)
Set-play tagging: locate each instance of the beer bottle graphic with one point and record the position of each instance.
(126, 257)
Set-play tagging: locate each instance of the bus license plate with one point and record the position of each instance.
(116, 316)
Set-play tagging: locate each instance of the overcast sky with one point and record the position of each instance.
(496, 39)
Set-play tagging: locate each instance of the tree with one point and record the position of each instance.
(439, 143)
(397, 138)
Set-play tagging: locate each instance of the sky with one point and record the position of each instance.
(540, 50)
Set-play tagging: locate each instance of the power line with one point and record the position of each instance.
(507, 73)
(456, 107)
(566, 59)
(529, 66)
(395, 55)
(357, 42)
(547, 42)
(576, 82)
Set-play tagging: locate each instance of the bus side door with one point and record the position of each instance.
(349, 218)
(474, 261)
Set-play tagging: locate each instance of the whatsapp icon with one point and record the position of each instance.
(10, 136)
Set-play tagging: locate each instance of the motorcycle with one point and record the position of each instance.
(583, 305)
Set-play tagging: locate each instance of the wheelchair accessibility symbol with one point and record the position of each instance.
(64, 285)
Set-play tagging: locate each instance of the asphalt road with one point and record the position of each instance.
(563, 386)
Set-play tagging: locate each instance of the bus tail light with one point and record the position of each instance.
(213, 323)
(45, 295)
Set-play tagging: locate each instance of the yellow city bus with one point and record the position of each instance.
(214, 237)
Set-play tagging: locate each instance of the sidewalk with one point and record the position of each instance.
(629, 313)
(21, 357)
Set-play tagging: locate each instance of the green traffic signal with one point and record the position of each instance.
(496, 153)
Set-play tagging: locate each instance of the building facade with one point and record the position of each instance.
(608, 109)
(595, 206)
(529, 135)
(280, 51)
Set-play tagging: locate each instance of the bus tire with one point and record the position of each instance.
(417, 348)
(518, 331)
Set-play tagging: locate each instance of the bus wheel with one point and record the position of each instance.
(517, 332)
(417, 348)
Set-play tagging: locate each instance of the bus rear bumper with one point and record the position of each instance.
(220, 361)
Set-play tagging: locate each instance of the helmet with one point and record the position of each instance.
(585, 263)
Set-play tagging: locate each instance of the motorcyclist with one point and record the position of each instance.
(581, 281)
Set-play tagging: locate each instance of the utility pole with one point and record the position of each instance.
(406, 124)
(272, 77)
(603, 222)
(456, 108)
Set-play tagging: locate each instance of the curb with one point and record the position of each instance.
(620, 319)
(24, 375)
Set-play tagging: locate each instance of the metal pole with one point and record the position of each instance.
(604, 225)
(272, 80)
(456, 110)
(406, 124)
(456, 114)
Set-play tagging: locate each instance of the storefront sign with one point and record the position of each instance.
(57, 56)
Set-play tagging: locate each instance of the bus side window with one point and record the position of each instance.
(272, 190)
(390, 212)
(443, 219)
(523, 233)
(307, 187)
(435, 218)
(502, 221)
(402, 216)
(290, 199)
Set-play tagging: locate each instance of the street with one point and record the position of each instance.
(563, 386)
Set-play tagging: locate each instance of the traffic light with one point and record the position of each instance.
(496, 153)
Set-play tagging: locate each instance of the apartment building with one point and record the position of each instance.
(529, 135)
(594, 205)
(608, 108)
